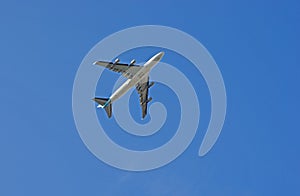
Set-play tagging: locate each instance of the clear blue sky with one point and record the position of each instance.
(256, 45)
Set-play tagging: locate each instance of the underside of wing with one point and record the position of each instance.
(127, 70)
(143, 87)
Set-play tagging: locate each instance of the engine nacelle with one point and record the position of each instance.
(151, 84)
(116, 61)
(132, 62)
(140, 89)
(149, 99)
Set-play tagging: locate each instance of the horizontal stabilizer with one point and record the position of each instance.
(104, 103)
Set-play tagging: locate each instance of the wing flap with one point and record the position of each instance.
(127, 70)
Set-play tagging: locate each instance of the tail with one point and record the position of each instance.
(104, 103)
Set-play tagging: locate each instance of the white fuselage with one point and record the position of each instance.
(143, 72)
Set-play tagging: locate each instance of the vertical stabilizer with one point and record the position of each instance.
(104, 103)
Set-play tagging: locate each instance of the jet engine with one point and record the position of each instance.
(151, 84)
(132, 62)
(116, 61)
(149, 99)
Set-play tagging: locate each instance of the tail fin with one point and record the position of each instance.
(104, 103)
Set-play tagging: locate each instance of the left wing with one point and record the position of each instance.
(127, 70)
(143, 87)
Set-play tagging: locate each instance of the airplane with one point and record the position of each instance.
(137, 75)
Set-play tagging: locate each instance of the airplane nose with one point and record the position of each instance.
(157, 57)
(161, 54)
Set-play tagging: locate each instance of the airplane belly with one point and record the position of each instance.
(121, 91)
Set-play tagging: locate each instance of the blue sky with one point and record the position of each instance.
(256, 46)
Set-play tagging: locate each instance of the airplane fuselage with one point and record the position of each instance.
(143, 72)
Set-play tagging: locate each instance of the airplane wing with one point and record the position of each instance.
(127, 70)
(142, 87)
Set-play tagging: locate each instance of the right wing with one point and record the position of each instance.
(143, 87)
(127, 70)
